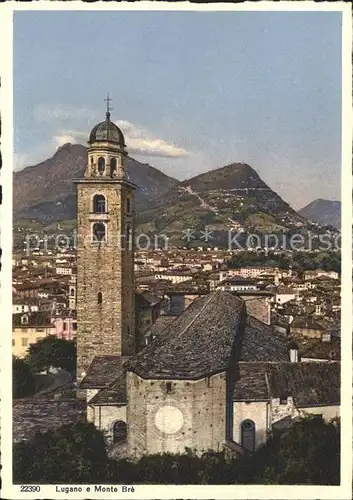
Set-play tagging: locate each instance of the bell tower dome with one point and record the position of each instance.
(106, 151)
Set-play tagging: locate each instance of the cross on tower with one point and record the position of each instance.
(109, 108)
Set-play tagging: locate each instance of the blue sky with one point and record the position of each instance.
(192, 91)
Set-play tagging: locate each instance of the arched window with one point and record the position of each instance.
(248, 435)
(128, 206)
(101, 165)
(100, 298)
(24, 319)
(98, 231)
(72, 292)
(113, 164)
(99, 204)
(119, 431)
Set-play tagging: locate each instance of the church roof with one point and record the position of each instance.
(160, 325)
(107, 131)
(250, 382)
(102, 371)
(196, 344)
(310, 384)
(261, 342)
(200, 341)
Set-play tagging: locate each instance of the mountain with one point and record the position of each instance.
(325, 212)
(232, 197)
(45, 192)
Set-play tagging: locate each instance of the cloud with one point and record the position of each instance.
(138, 140)
(62, 124)
(72, 136)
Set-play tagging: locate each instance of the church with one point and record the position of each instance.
(217, 377)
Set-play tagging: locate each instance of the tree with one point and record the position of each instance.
(52, 351)
(307, 453)
(69, 454)
(23, 381)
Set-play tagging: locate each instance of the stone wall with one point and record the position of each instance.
(258, 412)
(170, 415)
(281, 410)
(104, 417)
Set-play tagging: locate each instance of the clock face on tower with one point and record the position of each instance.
(169, 419)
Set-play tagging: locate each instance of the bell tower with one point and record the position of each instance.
(105, 253)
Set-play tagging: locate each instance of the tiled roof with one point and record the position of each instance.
(310, 384)
(146, 299)
(306, 322)
(321, 350)
(197, 343)
(24, 300)
(200, 341)
(30, 416)
(35, 318)
(103, 371)
(160, 325)
(114, 394)
(250, 382)
(151, 299)
(261, 342)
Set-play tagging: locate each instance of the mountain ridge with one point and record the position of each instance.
(231, 197)
(322, 211)
(46, 192)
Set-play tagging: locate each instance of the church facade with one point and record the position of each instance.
(217, 376)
